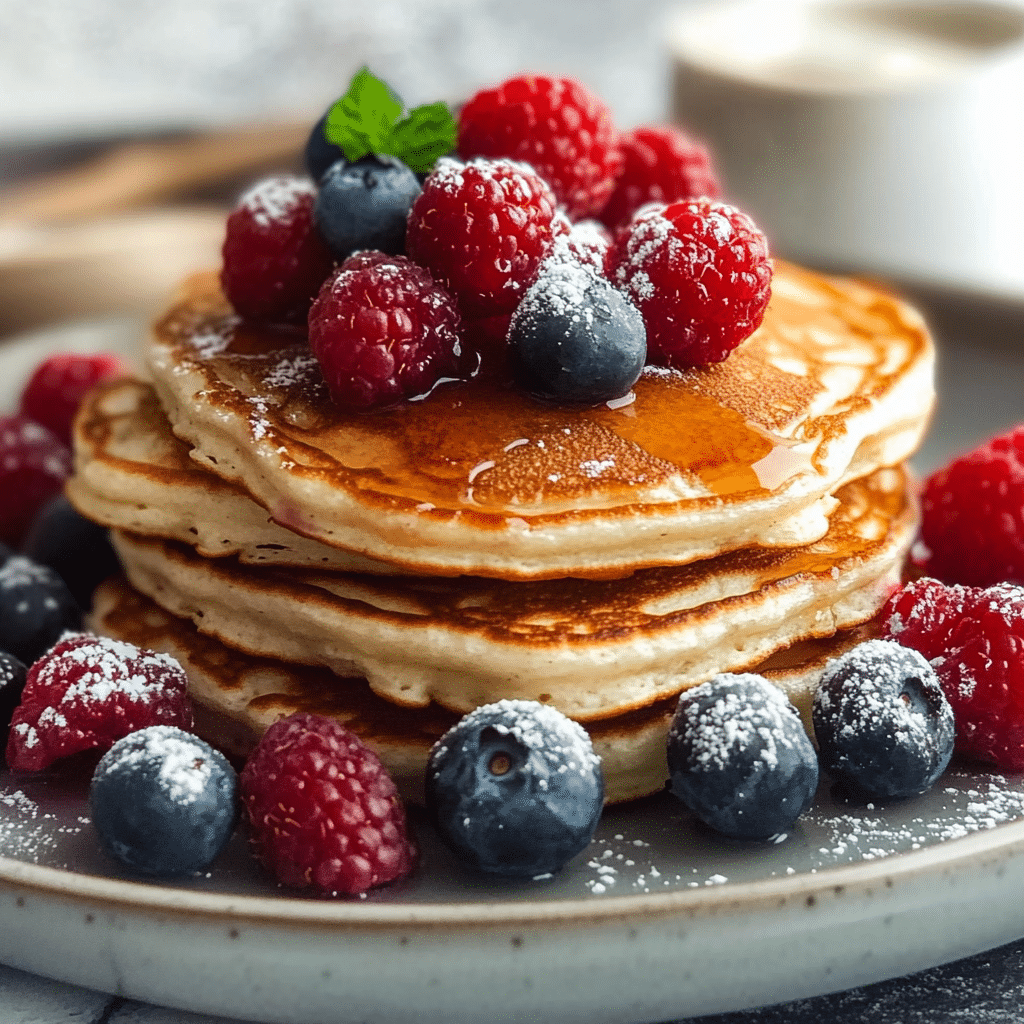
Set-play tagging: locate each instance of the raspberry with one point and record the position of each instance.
(979, 657)
(89, 691)
(34, 463)
(973, 515)
(57, 386)
(699, 273)
(274, 260)
(383, 331)
(924, 614)
(555, 125)
(661, 165)
(589, 243)
(324, 813)
(482, 229)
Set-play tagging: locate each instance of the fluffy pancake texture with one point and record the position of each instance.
(237, 696)
(478, 479)
(592, 648)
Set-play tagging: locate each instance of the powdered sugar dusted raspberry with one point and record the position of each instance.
(88, 692)
(383, 331)
(34, 463)
(556, 125)
(275, 198)
(975, 641)
(699, 273)
(972, 514)
(482, 229)
(274, 258)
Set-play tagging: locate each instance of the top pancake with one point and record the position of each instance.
(479, 478)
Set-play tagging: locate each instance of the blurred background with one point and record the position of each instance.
(879, 137)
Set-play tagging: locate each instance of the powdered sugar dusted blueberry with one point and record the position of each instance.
(36, 607)
(515, 788)
(574, 338)
(164, 802)
(739, 757)
(88, 692)
(882, 722)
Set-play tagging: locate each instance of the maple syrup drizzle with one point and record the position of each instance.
(482, 444)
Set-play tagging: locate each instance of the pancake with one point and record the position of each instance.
(592, 648)
(132, 473)
(479, 479)
(238, 696)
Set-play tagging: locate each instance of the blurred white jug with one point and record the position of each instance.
(879, 137)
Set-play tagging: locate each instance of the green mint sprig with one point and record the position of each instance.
(368, 119)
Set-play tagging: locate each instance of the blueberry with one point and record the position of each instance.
(164, 802)
(76, 548)
(515, 788)
(36, 607)
(12, 682)
(319, 153)
(882, 721)
(365, 205)
(739, 757)
(574, 338)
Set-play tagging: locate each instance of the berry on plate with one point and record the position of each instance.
(554, 124)
(12, 683)
(515, 788)
(34, 463)
(75, 548)
(383, 331)
(365, 205)
(974, 638)
(575, 338)
(972, 515)
(739, 757)
(700, 275)
(58, 385)
(882, 721)
(36, 608)
(164, 802)
(274, 261)
(660, 165)
(482, 229)
(89, 691)
(323, 811)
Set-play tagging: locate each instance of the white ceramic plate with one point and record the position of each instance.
(658, 919)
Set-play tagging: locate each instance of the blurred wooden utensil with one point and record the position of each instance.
(138, 174)
(127, 264)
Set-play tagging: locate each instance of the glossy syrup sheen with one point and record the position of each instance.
(482, 444)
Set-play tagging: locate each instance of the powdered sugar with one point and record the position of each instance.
(275, 198)
(179, 762)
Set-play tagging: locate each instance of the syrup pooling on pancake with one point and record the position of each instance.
(479, 478)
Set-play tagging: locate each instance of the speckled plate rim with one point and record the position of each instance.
(1005, 839)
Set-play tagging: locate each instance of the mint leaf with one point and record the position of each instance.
(426, 134)
(361, 121)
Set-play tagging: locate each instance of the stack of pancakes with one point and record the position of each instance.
(399, 568)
